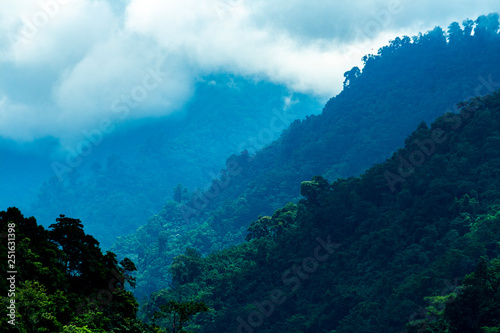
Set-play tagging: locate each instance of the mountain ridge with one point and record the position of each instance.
(420, 77)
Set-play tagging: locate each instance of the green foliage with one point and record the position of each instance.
(355, 256)
(74, 329)
(475, 308)
(64, 283)
(178, 314)
(281, 221)
(260, 228)
(186, 267)
(313, 189)
(478, 305)
(408, 82)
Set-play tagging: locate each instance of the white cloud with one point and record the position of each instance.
(69, 64)
(212, 39)
(136, 75)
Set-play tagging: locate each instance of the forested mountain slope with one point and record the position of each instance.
(131, 175)
(356, 255)
(409, 81)
(360, 254)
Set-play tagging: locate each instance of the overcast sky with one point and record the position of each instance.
(72, 65)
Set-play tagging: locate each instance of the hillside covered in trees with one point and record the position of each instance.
(362, 254)
(409, 81)
(410, 245)
(129, 177)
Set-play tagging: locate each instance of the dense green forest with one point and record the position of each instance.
(64, 283)
(409, 81)
(375, 253)
(362, 254)
(118, 193)
(58, 280)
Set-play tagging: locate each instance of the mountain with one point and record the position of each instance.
(130, 175)
(408, 81)
(363, 254)
(410, 244)
(360, 254)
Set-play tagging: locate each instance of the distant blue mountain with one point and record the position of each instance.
(131, 174)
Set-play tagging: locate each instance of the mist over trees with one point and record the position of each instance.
(117, 193)
(410, 81)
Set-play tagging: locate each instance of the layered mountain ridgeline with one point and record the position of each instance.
(408, 81)
(117, 196)
(361, 254)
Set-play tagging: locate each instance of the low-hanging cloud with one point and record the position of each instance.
(65, 65)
